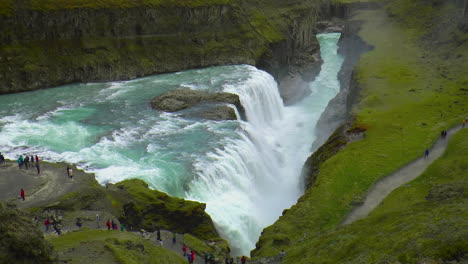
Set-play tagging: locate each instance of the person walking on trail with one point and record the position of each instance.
(38, 167)
(2, 158)
(243, 259)
(174, 235)
(189, 258)
(98, 219)
(26, 162)
(192, 256)
(464, 123)
(184, 249)
(31, 159)
(158, 235)
(20, 162)
(426, 153)
(108, 224)
(70, 172)
(122, 227)
(22, 194)
(47, 224)
(37, 159)
(443, 134)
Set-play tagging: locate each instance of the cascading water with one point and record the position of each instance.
(246, 172)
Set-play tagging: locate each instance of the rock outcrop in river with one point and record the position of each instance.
(214, 104)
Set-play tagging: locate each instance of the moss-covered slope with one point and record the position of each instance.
(47, 43)
(20, 240)
(133, 203)
(100, 246)
(152, 209)
(412, 86)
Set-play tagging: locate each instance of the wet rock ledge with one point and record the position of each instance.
(202, 104)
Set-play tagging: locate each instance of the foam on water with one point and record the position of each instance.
(246, 172)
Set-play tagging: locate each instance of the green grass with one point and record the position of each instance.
(126, 247)
(197, 245)
(6, 7)
(49, 5)
(409, 92)
(408, 226)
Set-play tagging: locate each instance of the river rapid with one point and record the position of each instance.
(247, 172)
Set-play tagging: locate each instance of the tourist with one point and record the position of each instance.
(38, 167)
(426, 153)
(464, 123)
(189, 258)
(192, 256)
(26, 162)
(158, 235)
(184, 249)
(243, 259)
(70, 172)
(31, 159)
(79, 222)
(174, 238)
(98, 219)
(108, 224)
(2, 158)
(114, 225)
(37, 159)
(22, 194)
(122, 227)
(47, 224)
(20, 162)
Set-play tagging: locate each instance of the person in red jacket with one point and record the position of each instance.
(47, 224)
(192, 256)
(108, 224)
(184, 249)
(243, 259)
(22, 194)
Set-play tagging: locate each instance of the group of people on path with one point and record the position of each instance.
(111, 225)
(28, 161)
(190, 255)
(443, 135)
(55, 223)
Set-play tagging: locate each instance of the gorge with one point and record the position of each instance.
(246, 172)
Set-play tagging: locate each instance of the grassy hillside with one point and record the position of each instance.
(102, 246)
(20, 240)
(424, 220)
(413, 84)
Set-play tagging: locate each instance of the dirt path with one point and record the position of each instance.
(385, 186)
(40, 189)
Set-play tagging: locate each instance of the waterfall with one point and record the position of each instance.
(245, 176)
(249, 182)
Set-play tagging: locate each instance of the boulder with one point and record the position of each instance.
(181, 99)
(219, 112)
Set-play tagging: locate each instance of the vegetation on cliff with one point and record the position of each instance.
(20, 240)
(412, 86)
(102, 246)
(48, 43)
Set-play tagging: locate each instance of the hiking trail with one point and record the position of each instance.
(382, 188)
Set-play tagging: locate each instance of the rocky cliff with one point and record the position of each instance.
(48, 43)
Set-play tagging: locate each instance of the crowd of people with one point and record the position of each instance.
(28, 162)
